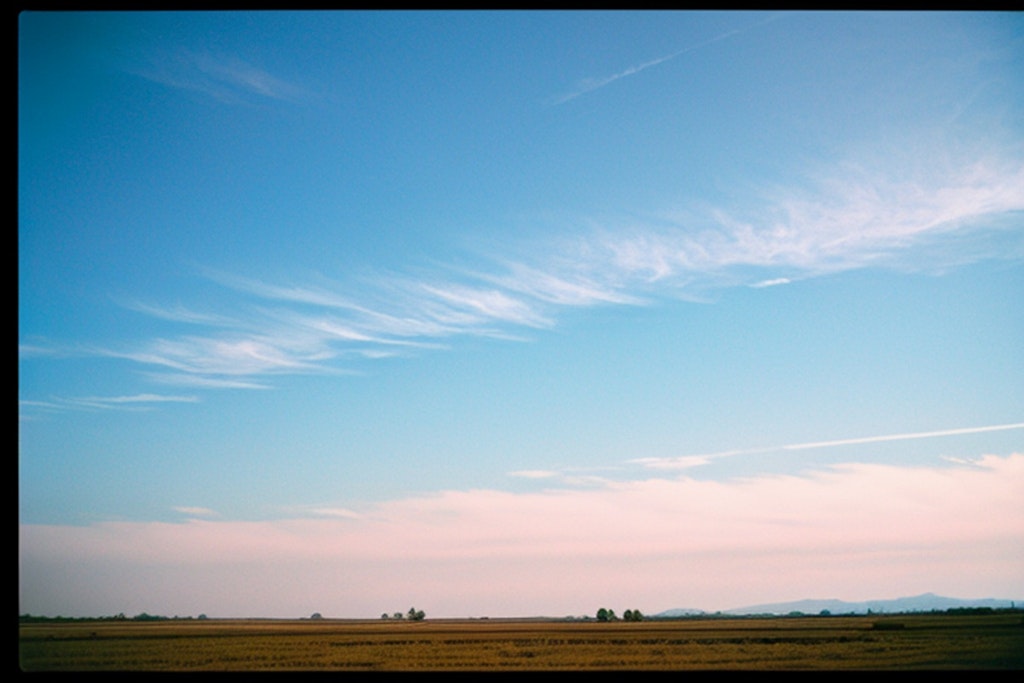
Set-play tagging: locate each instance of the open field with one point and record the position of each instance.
(993, 641)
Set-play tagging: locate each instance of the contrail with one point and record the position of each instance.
(591, 84)
(900, 437)
(688, 461)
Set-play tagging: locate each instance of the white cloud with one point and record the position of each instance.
(137, 398)
(684, 462)
(195, 511)
(468, 306)
(226, 356)
(572, 289)
(337, 512)
(931, 209)
(855, 219)
(225, 78)
(771, 283)
(198, 381)
(534, 474)
(314, 295)
(36, 350)
(133, 402)
(177, 313)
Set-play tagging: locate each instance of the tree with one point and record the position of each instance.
(602, 614)
(415, 615)
(627, 615)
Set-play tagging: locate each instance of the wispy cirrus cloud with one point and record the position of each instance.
(31, 410)
(560, 289)
(37, 350)
(463, 305)
(873, 529)
(176, 313)
(203, 382)
(236, 355)
(937, 210)
(137, 398)
(844, 221)
(134, 402)
(226, 78)
(771, 283)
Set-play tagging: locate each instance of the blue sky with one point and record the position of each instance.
(348, 285)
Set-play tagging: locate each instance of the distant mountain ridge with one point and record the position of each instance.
(926, 602)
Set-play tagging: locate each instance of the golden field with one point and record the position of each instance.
(936, 641)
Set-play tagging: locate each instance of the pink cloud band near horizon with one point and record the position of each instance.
(849, 531)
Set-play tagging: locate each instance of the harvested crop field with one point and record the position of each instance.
(893, 642)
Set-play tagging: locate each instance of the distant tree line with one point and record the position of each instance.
(412, 615)
(605, 614)
(29, 618)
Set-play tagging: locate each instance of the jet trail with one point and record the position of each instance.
(687, 461)
(591, 84)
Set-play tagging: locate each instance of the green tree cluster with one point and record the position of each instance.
(412, 615)
(605, 614)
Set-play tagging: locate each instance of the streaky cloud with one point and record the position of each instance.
(689, 461)
(226, 78)
(467, 305)
(560, 289)
(176, 313)
(239, 355)
(903, 437)
(679, 463)
(138, 398)
(591, 84)
(771, 283)
(312, 295)
(534, 474)
(37, 351)
(336, 512)
(131, 403)
(38, 404)
(851, 219)
(192, 511)
(588, 85)
(929, 210)
(198, 381)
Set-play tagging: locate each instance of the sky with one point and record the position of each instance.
(517, 313)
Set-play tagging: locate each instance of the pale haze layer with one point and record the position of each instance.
(518, 313)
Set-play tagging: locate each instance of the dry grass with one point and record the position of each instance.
(926, 641)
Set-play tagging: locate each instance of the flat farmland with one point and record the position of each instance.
(993, 641)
